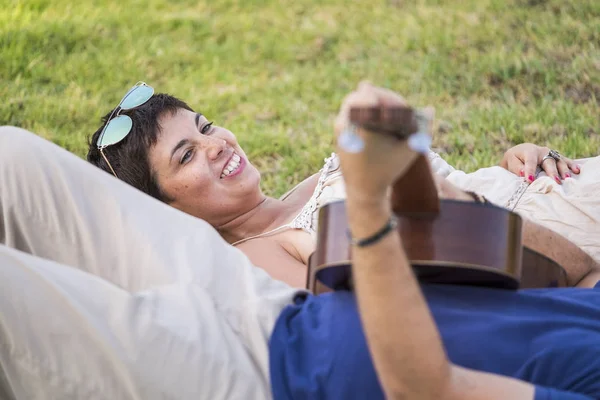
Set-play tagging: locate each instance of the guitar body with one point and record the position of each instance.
(446, 241)
(465, 244)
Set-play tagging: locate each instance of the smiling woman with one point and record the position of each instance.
(202, 168)
(181, 158)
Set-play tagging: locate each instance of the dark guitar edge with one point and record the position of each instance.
(314, 271)
(536, 259)
(425, 263)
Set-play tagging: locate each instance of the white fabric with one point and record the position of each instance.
(139, 300)
(306, 218)
(571, 209)
(439, 165)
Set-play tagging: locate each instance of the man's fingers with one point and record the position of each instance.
(429, 113)
(367, 95)
(363, 97)
(385, 96)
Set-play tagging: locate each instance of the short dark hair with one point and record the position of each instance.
(129, 157)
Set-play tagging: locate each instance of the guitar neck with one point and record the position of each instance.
(416, 192)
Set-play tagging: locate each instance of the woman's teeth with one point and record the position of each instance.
(233, 164)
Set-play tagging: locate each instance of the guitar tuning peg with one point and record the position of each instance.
(421, 140)
(350, 141)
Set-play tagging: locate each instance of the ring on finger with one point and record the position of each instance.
(548, 157)
(554, 154)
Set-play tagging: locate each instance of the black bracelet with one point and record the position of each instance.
(389, 226)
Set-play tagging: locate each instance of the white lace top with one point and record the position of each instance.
(330, 183)
(330, 187)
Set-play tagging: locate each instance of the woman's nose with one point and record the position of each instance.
(215, 148)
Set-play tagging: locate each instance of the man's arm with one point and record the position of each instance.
(402, 336)
(403, 340)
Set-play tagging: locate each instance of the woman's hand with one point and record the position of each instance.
(368, 174)
(524, 158)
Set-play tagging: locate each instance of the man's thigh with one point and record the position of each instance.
(67, 334)
(318, 350)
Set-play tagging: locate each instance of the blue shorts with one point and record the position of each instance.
(548, 337)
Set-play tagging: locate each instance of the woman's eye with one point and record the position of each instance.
(186, 156)
(206, 128)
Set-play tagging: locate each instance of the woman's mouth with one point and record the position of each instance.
(234, 167)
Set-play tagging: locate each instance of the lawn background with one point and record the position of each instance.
(274, 72)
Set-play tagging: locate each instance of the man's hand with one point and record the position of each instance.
(369, 173)
(523, 160)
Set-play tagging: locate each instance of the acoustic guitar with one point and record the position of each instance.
(446, 241)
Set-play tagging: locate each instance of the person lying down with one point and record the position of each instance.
(182, 158)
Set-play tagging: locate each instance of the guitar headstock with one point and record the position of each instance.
(415, 192)
(401, 122)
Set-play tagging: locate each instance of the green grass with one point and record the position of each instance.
(498, 72)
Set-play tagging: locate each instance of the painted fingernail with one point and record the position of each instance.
(530, 178)
(557, 179)
(567, 175)
(521, 173)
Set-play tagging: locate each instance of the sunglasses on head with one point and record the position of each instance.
(117, 128)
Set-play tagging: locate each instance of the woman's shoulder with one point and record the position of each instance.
(303, 189)
(278, 256)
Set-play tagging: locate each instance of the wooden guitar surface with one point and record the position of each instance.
(466, 244)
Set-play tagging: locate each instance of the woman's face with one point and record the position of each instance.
(202, 168)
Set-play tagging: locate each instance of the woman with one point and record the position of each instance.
(181, 158)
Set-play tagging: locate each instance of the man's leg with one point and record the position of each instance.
(318, 351)
(66, 334)
(57, 206)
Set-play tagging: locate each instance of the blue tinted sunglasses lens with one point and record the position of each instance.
(116, 130)
(136, 97)
(119, 127)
